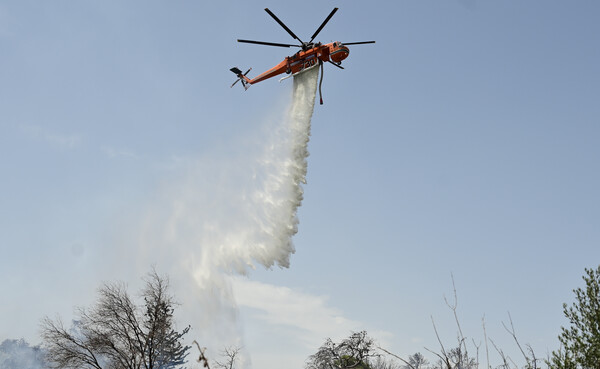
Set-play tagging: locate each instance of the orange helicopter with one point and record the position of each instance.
(309, 56)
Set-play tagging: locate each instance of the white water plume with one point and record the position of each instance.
(227, 216)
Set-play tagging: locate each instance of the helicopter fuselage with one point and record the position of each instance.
(333, 52)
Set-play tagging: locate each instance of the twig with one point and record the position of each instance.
(511, 331)
(397, 357)
(487, 352)
(453, 308)
(202, 358)
(438, 336)
(443, 359)
(477, 350)
(504, 357)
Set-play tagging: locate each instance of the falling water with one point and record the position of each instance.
(225, 216)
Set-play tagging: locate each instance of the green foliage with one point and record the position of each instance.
(562, 360)
(581, 340)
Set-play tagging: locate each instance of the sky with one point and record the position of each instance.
(462, 146)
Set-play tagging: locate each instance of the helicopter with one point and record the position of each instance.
(311, 55)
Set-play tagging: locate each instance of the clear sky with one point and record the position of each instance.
(466, 141)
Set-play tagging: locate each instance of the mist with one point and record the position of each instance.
(18, 354)
(223, 215)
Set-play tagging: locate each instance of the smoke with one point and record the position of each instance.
(18, 354)
(229, 215)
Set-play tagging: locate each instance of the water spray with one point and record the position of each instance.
(231, 214)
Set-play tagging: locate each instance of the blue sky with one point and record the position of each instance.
(465, 141)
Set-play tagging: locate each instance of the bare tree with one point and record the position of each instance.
(457, 358)
(353, 352)
(117, 334)
(230, 355)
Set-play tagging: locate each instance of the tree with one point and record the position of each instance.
(353, 352)
(117, 334)
(416, 361)
(230, 356)
(581, 341)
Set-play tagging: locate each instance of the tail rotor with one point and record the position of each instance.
(241, 77)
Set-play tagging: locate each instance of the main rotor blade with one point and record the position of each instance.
(358, 43)
(267, 43)
(283, 25)
(323, 24)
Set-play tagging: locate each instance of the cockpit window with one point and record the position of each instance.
(335, 44)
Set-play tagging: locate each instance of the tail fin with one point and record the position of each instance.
(241, 77)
